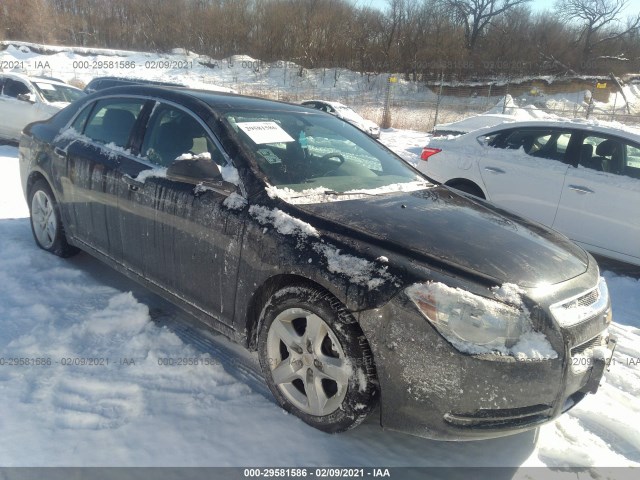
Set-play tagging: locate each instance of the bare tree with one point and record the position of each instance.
(599, 24)
(476, 15)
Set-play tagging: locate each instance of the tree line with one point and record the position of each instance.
(422, 39)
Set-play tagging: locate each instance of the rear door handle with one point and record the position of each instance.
(131, 182)
(494, 170)
(59, 151)
(580, 189)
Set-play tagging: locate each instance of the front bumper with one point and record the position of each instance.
(430, 389)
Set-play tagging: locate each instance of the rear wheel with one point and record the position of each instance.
(46, 222)
(316, 360)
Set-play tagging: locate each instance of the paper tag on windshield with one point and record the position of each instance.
(265, 132)
(45, 86)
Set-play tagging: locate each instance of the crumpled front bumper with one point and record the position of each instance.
(432, 390)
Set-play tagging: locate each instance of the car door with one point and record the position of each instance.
(16, 113)
(180, 237)
(525, 171)
(599, 203)
(93, 148)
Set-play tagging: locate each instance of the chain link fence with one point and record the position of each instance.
(424, 107)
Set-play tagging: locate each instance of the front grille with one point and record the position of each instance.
(586, 300)
(580, 349)
(578, 335)
(585, 316)
(499, 418)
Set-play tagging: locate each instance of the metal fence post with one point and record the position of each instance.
(386, 113)
(590, 104)
(506, 95)
(435, 118)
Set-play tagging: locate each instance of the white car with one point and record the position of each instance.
(470, 124)
(581, 178)
(25, 99)
(347, 114)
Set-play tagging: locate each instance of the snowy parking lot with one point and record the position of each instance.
(97, 371)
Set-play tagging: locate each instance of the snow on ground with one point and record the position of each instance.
(217, 411)
(413, 102)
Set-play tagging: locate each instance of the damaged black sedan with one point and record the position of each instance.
(355, 279)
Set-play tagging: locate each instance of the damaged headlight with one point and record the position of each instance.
(473, 324)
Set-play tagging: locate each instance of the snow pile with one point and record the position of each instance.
(12, 204)
(356, 269)
(508, 293)
(158, 172)
(235, 202)
(323, 195)
(282, 221)
(230, 174)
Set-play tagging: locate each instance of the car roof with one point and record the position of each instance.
(333, 104)
(598, 126)
(135, 80)
(28, 78)
(216, 100)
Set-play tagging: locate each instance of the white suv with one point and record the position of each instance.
(25, 99)
(580, 178)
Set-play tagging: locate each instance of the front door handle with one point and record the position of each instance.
(580, 189)
(494, 170)
(131, 182)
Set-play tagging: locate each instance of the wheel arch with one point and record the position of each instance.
(261, 296)
(33, 177)
(461, 183)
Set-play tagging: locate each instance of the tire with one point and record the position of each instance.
(467, 188)
(46, 222)
(316, 360)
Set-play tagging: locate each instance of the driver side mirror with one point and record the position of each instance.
(197, 171)
(27, 97)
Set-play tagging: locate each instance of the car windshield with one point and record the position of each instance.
(309, 153)
(53, 92)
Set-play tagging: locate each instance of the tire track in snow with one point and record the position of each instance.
(242, 367)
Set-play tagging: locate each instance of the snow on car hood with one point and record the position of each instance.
(437, 225)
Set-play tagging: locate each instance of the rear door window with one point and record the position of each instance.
(602, 153)
(632, 161)
(112, 121)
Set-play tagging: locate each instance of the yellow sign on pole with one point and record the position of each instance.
(601, 85)
(393, 79)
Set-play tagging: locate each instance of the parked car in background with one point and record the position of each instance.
(25, 99)
(355, 279)
(472, 123)
(347, 114)
(100, 83)
(581, 178)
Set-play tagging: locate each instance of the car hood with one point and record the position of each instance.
(438, 226)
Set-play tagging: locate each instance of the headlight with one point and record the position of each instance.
(475, 324)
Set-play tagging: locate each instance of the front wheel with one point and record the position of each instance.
(46, 223)
(316, 360)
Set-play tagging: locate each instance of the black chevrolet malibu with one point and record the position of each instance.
(357, 280)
